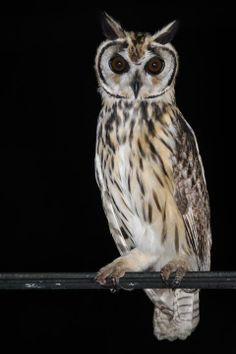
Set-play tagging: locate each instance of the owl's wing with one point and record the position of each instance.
(191, 193)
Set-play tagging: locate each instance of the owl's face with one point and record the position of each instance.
(136, 65)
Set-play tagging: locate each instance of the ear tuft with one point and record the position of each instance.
(167, 33)
(111, 28)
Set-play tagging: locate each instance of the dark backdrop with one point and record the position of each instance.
(51, 216)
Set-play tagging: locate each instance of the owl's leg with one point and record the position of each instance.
(177, 266)
(134, 261)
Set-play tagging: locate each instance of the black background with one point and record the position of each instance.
(51, 214)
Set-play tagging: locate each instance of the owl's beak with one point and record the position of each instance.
(136, 87)
(136, 84)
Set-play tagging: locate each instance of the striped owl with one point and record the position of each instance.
(150, 173)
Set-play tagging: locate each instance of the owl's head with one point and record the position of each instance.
(133, 65)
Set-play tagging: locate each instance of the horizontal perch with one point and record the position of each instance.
(142, 280)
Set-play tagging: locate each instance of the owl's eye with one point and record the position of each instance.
(154, 66)
(118, 64)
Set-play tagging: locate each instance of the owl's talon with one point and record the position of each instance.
(165, 280)
(100, 279)
(178, 267)
(175, 283)
(114, 271)
(116, 287)
(165, 273)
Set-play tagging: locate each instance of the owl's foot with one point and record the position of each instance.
(114, 270)
(134, 261)
(179, 267)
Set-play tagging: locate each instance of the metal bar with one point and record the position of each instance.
(145, 280)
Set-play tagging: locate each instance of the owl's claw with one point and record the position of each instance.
(178, 267)
(116, 287)
(179, 274)
(114, 270)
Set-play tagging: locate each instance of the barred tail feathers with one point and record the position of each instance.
(176, 313)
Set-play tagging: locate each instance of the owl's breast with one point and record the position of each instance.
(136, 165)
(130, 199)
(142, 201)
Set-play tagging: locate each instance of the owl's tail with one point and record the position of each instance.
(176, 313)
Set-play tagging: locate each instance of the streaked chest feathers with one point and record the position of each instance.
(136, 145)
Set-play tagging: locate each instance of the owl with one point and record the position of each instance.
(150, 173)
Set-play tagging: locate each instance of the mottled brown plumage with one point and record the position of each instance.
(150, 173)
